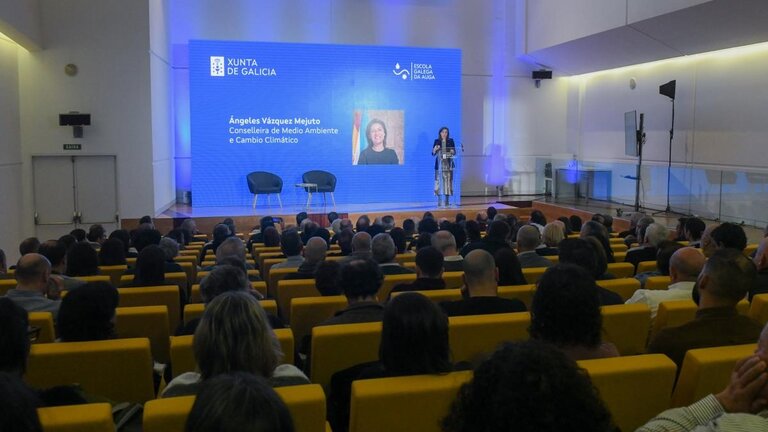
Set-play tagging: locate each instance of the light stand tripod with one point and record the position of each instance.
(668, 90)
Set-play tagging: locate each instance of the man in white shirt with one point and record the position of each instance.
(684, 268)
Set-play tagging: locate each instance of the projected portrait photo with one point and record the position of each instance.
(377, 137)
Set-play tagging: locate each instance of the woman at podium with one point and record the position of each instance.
(444, 150)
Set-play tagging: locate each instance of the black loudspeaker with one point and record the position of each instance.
(668, 89)
(74, 119)
(541, 74)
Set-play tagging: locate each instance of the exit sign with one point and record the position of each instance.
(73, 146)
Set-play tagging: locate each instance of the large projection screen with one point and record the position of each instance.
(292, 108)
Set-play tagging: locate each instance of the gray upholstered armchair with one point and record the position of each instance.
(262, 182)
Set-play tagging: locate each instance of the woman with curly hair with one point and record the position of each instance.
(565, 312)
(528, 386)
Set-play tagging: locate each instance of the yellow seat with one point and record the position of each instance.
(183, 355)
(619, 256)
(44, 320)
(267, 265)
(189, 255)
(114, 272)
(678, 312)
(707, 370)
(96, 417)
(306, 403)
(533, 274)
(119, 369)
(621, 269)
(554, 258)
(131, 262)
(190, 269)
(624, 287)
(177, 278)
(337, 347)
(474, 336)
(618, 247)
(453, 279)
(410, 403)
(287, 290)
(390, 281)
(275, 276)
(96, 278)
(438, 295)
(195, 297)
(657, 282)
(259, 248)
(405, 258)
(6, 285)
(252, 273)
(167, 296)
(758, 310)
(752, 247)
(524, 293)
(195, 310)
(307, 312)
(634, 388)
(627, 326)
(646, 266)
(146, 321)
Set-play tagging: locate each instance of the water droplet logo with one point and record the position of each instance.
(401, 72)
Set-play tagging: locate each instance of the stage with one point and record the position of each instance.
(246, 217)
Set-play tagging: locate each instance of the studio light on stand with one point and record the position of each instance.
(668, 90)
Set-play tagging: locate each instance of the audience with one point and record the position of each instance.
(78, 234)
(150, 268)
(383, 251)
(360, 247)
(638, 234)
(291, 245)
(528, 386)
(326, 278)
(18, 405)
(566, 313)
(190, 230)
(271, 237)
(724, 281)
(220, 233)
(112, 253)
(345, 241)
(362, 224)
(665, 250)
(480, 289)
(234, 336)
(694, 227)
(575, 223)
(567, 230)
(429, 271)
(761, 263)
(3, 264)
(508, 266)
(445, 243)
(170, 250)
(29, 245)
(729, 235)
(238, 402)
(685, 266)
(88, 313)
(584, 254)
(708, 245)
(552, 235)
(398, 236)
(82, 260)
(597, 231)
(528, 239)
(360, 280)
(33, 292)
(654, 234)
(496, 239)
(96, 235)
(314, 254)
(56, 253)
(231, 247)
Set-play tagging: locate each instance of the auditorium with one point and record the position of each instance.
(376, 215)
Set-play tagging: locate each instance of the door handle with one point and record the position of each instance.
(74, 217)
(37, 219)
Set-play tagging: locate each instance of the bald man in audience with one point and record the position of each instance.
(32, 292)
(314, 254)
(684, 268)
(528, 239)
(361, 247)
(445, 242)
(480, 290)
(761, 262)
(725, 280)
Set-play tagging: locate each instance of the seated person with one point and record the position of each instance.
(82, 260)
(291, 245)
(528, 386)
(480, 289)
(326, 278)
(34, 292)
(586, 255)
(508, 266)
(725, 280)
(88, 313)
(384, 252)
(429, 272)
(314, 254)
(552, 235)
(528, 240)
(664, 254)
(445, 242)
(566, 313)
(234, 336)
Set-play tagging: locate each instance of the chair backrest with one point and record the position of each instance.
(621, 269)
(474, 336)
(177, 278)
(405, 257)
(118, 369)
(633, 388)
(114, 272)
(183, 354)
(95, 417)
(758, 310)
(678, 312)
(288, 290)
(195, 310)
(438, 295)
(618, 247)
(657, 282)
(627, 326)
(325, 181)
(524, 293)
(337, 347)
(410, 403)
(707, 370)
(276, 275)
(390, 281)
(306, 403)
(96, 278)
(533, 274)
(6, 285)
(44, 320)
(146, 321)
(259, 181)
(196, 297)
(307, 312)
(624, 287)
(453, 279)
(645, 266)
(154, 296)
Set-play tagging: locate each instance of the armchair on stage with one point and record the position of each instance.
(262, 182)
(325, 181)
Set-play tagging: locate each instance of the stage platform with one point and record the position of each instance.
(246, 217)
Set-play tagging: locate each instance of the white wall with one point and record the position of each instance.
(10, 151)
(162, 103)
(20, 20)
(109, 42)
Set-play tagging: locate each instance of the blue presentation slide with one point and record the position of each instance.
(367, 114)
